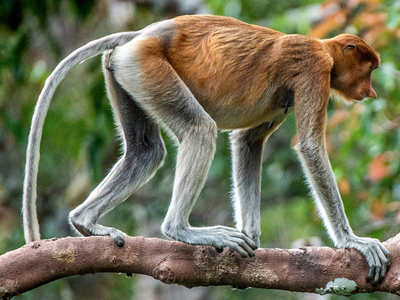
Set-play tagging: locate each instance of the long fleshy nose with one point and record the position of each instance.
(371, 93)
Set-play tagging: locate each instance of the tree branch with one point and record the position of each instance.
(312, 269)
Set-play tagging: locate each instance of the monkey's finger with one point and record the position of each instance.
(237, 233)
(385, 262)
(247, 240)
(246, 247)
(371, 272)
(385, 268)
(386, 258)
(373, 262)
(241, 247)
(237, 248)
(378, 265)
(238, 244)
(377, 277)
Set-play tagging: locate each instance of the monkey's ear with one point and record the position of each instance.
(349, 47)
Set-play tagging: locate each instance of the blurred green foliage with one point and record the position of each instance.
(79, 143)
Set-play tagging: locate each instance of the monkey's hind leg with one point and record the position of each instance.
(161, 92)
(144, 152)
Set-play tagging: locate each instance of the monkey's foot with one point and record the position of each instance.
(96, 229)
(216, 236)
(378, 258)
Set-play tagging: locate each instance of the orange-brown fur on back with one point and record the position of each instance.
(224, 57)
(227, 63)
(221, 58)
(218, 59)
(230, 64)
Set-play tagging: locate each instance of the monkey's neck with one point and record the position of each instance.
(331, 49)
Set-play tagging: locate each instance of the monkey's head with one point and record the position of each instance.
(353, 63)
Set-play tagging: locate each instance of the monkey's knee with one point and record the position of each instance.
(158, 152)
(199, 141)
(161, 153)
(148, 157)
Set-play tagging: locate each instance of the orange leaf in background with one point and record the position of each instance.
(294, 140)
(372, 19)
(336, 15)
(344, 186)
(375, 25)
(337, 117)
(393, 206)
(363, 195)
(378, 168)
(330, 23)
(378, 210)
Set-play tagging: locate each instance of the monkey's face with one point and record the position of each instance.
(355, 86)
(351, 73)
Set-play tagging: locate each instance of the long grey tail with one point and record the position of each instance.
(96, 47)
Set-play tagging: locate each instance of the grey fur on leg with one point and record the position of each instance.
(247, 146)
(144, 152)
(196, 155)
(246, 176)
(329, 203)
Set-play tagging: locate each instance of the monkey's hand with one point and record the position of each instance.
(216, 236)
(378, 258)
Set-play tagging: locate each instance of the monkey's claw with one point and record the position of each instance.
(219, 250)
(119, 241)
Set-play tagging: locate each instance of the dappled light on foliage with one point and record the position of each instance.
(378, 168)
(364, 16)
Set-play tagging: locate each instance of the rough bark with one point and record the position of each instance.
(312, 269)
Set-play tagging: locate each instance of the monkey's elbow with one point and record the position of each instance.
(303, 147)
(297, 147)
(308, 149)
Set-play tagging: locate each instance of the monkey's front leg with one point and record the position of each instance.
(326, 195)
(316, 165)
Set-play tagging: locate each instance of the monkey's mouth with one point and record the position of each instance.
(360, 97)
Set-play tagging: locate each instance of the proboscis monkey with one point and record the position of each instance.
(193, 75)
